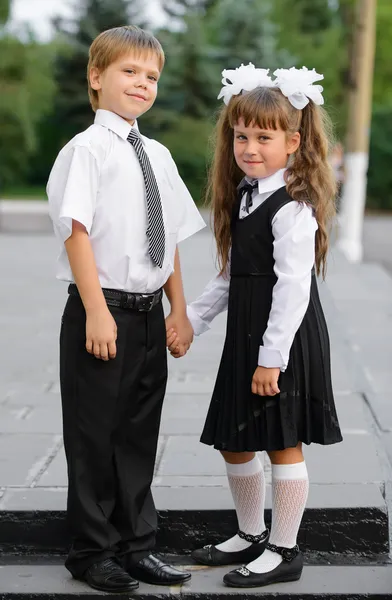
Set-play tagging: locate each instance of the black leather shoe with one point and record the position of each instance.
(152, 570)
(211, 556)
(108, 576)
(290, 569)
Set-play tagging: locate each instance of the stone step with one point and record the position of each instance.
(317, 582)
(345, 519)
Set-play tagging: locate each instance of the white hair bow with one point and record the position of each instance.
(297, 86)
(243, 78)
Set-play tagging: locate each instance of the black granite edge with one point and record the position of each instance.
(325, 530)
(94, 596)
(311, 559)
(244, 594)
(360, 531)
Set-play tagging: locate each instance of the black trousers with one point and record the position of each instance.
(111, 418)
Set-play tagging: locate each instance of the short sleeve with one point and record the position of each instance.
(190, 220)
(72, 190)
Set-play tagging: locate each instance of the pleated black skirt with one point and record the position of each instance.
(304, 411)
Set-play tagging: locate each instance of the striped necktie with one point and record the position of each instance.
(155, 226)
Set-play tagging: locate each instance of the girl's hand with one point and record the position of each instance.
(265, 381)
(179, 334)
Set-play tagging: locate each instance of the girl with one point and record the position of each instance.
(272, 193)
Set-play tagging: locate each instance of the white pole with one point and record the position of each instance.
(357, 151)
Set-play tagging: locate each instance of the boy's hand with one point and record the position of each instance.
(179, 334)
(101, 334)
(265, 381)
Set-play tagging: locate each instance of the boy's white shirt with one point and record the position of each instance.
(97, 180)
(293, 227)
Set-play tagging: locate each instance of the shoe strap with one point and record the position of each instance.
(288, 554)
(253, 539)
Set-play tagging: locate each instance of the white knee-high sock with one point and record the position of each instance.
(290, 487)
(247, 485)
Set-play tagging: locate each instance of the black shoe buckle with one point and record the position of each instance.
(288, 554)
(253, 539)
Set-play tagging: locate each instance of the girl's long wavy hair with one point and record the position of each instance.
(309, 176)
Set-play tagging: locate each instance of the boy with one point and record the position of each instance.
(119, 208)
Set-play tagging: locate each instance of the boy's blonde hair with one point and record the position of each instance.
(109, 45)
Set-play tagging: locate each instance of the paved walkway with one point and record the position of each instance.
(357, 302)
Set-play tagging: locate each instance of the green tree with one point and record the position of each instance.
(244, 32)
(4, 11)
(72, 106)
(27, 90)
(177, 9)
(316, 35)
(71, 111)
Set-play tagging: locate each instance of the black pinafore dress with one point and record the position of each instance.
(304, 411)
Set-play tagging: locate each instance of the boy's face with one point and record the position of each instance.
(128, 87)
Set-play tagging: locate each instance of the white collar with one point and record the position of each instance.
(115, 123)
(271, 183)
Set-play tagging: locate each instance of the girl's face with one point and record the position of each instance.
(262, 152)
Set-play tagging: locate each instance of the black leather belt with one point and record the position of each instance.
(127, 300)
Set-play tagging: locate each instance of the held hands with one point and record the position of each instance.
(101, 334)
(265, 381)
(179, 334)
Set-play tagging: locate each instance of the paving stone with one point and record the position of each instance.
(29, 398)
(387, 438)
(210, 493)
(351, 413)
(345, 583)
(185, 455)
(22, 456)
(196, 481)
(381, 405)
(33, 499)
(56, 473)
(31, 419)
(354, 460)
(353, 582)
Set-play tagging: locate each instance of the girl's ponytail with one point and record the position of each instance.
(310, 176)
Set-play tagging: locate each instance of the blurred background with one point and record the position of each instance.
(43, 56)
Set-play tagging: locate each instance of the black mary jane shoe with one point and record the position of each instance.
(290, 569)
(212, 557)
(154, 571)
(108, 576)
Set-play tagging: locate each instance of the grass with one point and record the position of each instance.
(23, 192)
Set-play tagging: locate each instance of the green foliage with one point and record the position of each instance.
(380, 172)
(71, 110)
(382, 91)
(188, 141)
(316, 36)
(202, 38)
(243, 32)
(27, 90)
(4, 11)
(72, 107)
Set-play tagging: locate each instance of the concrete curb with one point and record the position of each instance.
(25, 216)
(32, 216)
